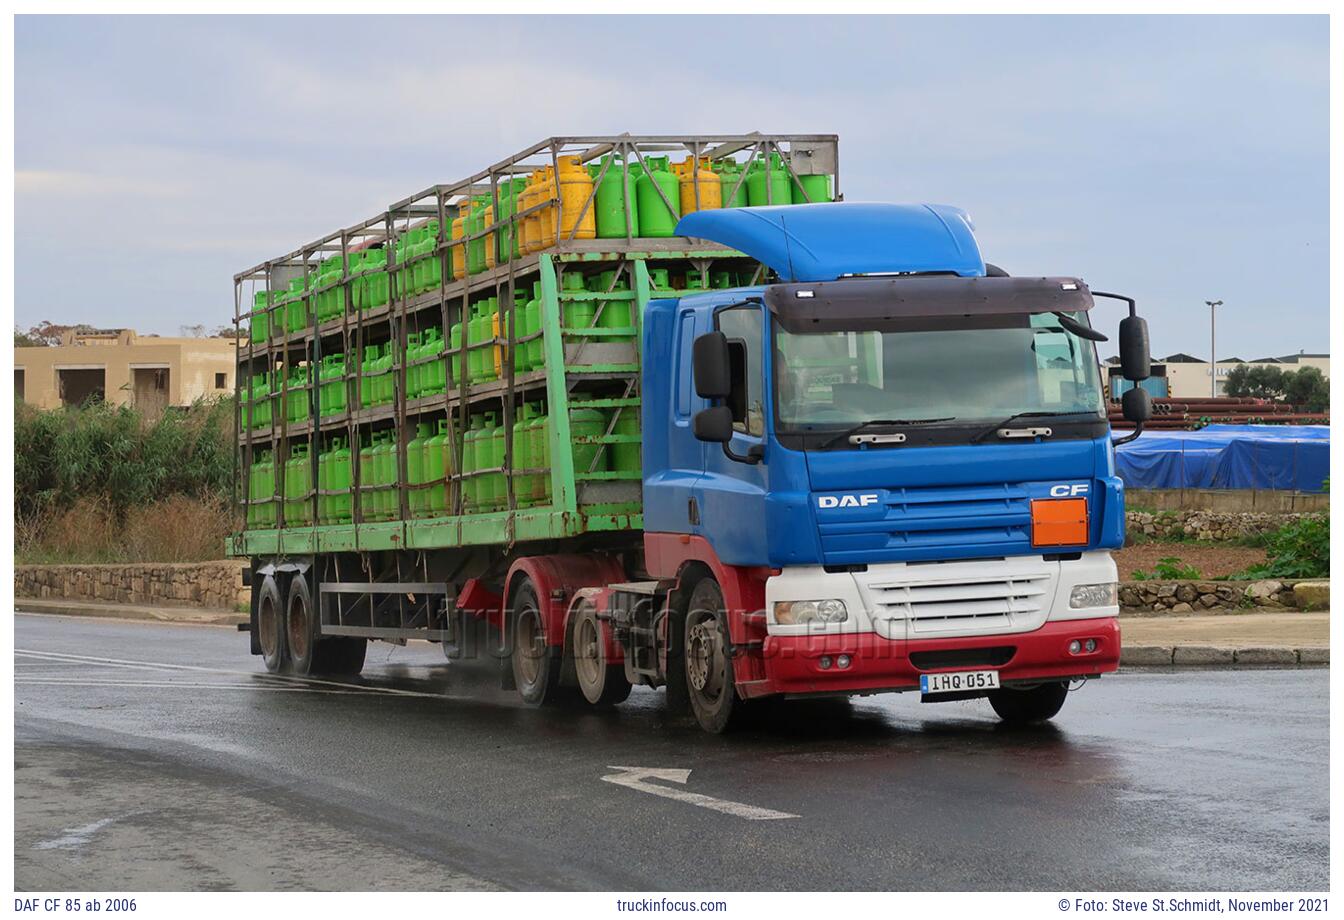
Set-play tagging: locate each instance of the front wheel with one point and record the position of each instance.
(1023, 707)
(708, 657)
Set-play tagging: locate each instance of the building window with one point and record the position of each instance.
(219, 382)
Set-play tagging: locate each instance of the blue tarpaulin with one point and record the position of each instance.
(1295, 457)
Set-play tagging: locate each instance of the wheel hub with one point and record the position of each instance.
(703, 654)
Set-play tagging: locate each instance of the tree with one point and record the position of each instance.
(1308, 389)
(1265, 381)
(47, 333)
(1234, 384)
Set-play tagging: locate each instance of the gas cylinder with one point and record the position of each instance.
(298, 482)
(811, 189)
(656, 218)
(733, 190)
(488, 220)
(508, 204)
(379, 286)
(475, 223)
(259, 328)
(777, 190)
(359, 296)
(437, 465)
(382, 376)
(546, 192)
(587, 423)
(720, 280)
(385, 475)
(417, 499)
(493, 494)
(578, 216)
(338, 481)
(535, 350)
(471, 462)
(366, 368)
(431, 372)
(367, 475)
(530, 226)
(626, 457)
(331, 391)
(296, 397)
(614, 314)
(660, 280)
(696, 280)
(457, 254)
(323, 485)
(475, 334)
(455, 356)
(296, 313)
(522, 456)
(613, 191)
(540, 451)
(578, 314)
(689, 175)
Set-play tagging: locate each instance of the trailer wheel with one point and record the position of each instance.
(309, 653)
(536, 666)
(602, 684)
(1036, 704)
(709, 665)
(270, 624)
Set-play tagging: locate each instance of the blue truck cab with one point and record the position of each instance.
(895, 463)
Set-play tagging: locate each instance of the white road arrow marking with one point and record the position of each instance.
(637, 778)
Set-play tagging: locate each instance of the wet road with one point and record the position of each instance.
(163, 757)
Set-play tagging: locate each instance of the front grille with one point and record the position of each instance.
(961, 598)
(993, 656)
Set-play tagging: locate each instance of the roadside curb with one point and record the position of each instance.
(182, 615)
(1204, 656)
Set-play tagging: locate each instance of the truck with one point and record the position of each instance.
(708, 429)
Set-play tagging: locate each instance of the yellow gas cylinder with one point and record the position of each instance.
(576, 187)
(532, 222)
(459, 252)
(489, 237)
(545, 192)
(711, 189)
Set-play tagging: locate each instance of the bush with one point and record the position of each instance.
(1297, 550)
(177, 529)
(1167, 569)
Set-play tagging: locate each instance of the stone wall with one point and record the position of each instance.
(1205, 525)
(1193, 596)
(1264, 500)
(209, 585)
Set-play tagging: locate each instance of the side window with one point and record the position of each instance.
(744, 328)
(685, 390)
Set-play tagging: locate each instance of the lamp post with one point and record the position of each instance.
(1213, 353)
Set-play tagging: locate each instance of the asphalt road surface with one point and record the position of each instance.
(151, 757)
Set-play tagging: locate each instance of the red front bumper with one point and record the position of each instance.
(793, 663)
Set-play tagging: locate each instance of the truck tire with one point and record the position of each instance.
(309, 653)
(271, 624)
(535, 665)
(1035, 704)
(709, 664)
(602, 684)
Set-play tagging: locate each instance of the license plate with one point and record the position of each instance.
(958, 681)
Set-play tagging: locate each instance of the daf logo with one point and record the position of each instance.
(847, 501)
(1064, 491)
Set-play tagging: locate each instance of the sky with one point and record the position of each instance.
(1175, 159)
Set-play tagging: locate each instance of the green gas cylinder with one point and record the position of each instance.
(260, 325)
(331, 392)
(413, 369)
(382, 375)
(776, 175)
(375, 261)
(658, 217)
(493, 494)
(296, 399)
(492, 365)
(730, 175)
(616, 188)
(359, 286)
(697, 280)
(625, 458)
(508, 206)
(476, 224)
(660, 280)
(811, 189)
(296, 308)
(366, 368)
(323, 485)
(385, 475)
(457, 380)
(262, 486)
(418, 499)
(720, 280)
(475, 334)
(438, 463)
(587, 423)
(338, 481)
(538, 435)
(614, 314)
(253, 515)
(367, 474)
(298, 482)
(471, 462)
(535, 346)
(522, 456)
(431, 371)
(578, 314)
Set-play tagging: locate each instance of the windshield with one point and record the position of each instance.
(1023, 364)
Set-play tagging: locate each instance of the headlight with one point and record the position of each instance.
(795, 613)
(1093, 596)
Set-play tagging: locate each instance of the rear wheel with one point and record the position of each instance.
(271, 624)
(536, 666)
(1035, 704)
(709, 664)
(310, 653)
(603, 684)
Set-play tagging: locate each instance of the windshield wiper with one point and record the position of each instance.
(873, 422)
(1012, 418)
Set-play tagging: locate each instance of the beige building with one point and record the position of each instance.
(123, 368)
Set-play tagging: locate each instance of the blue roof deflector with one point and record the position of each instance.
(822, 242)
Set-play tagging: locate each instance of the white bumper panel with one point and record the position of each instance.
(928, 600)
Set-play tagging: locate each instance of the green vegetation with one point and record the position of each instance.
(1306, 388)
(1169, 568)
(1297, 550)
(103, 483)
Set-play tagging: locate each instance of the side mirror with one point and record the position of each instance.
(714, 424)
(711, 370)
(1135, 362)
(1136, 405)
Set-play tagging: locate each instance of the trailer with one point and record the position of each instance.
(662, 428)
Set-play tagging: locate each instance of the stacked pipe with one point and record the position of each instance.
(1195, 413)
